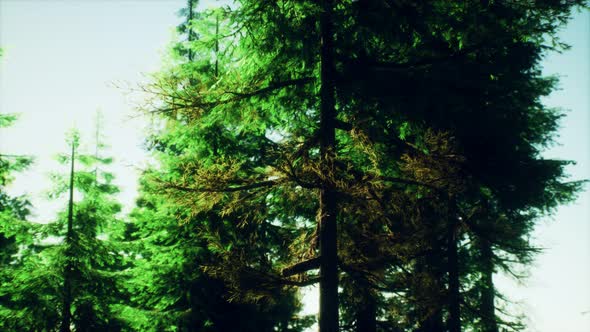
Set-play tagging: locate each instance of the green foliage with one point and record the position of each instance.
(436, 169)
(197, 258)
(35, 294)
(15, 231)
(440, 117)
(10, 163)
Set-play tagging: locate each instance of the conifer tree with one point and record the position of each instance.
(176, 281)
(69, 278)
(507, 157)
(407, 116)
(15, 231)
(11, 208)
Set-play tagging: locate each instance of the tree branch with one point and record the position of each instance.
(308, 282)
(255, 185)
(271, 87)
(310, 264)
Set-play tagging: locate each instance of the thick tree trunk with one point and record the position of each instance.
(67, 288)
(328, 315)
(487, 306)
(454, 322)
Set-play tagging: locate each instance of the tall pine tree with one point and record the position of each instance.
(341, 108)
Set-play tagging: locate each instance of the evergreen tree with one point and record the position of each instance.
(507, 202)
(171, 289)
(349, 109)
(15, 232)
(11, 208)
(176, 285)
(189, 15)
(69, 277)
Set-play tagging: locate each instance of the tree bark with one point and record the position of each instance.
(328, 315)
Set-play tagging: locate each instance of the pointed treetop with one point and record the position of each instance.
(73, 137)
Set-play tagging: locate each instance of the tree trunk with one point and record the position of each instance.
(328, 315)
(67, 288)
(366, 314)
(434, 323)
(433, 319)
(487, 307)
(216, 45)
(454, 323)
(191, 38)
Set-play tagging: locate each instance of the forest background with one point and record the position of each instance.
(64, 60)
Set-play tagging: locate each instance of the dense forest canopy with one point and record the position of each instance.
(390, 152)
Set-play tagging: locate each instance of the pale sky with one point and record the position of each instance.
(61, 59)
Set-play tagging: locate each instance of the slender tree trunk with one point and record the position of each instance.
(191, 37)
(328, 315)
(432, 315)
(191, 4)
(366, 315)
(217, 45)
(454, 322)
(487, 307)
(67, 288)
(434, 323)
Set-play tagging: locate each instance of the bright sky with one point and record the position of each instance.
(557, 296)
(62, 58)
